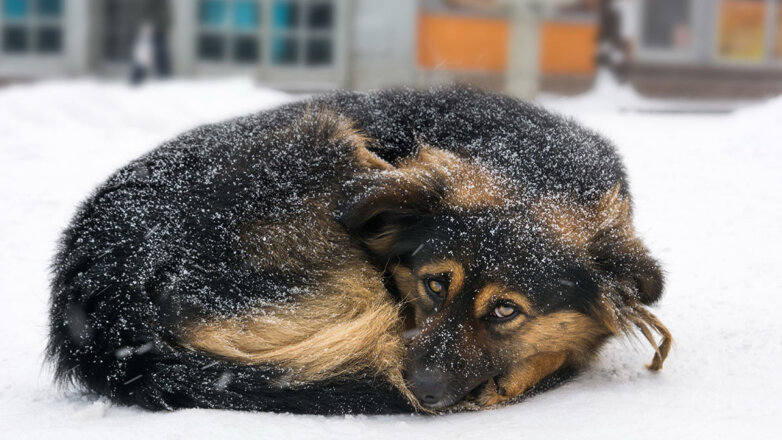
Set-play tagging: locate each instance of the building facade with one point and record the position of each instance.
(673, 47)
(697, 47)
(306, 44)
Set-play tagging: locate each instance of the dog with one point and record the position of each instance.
(395, 251)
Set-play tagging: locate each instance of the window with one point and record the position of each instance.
(303, 32)
(667, 24)
(742, 30)
(119, 28)
(291, 32)
(31, 26)
(229, 31)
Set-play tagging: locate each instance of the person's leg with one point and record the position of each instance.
(137, 74)
(162, 61)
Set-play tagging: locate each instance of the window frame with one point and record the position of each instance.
(229, 33)
(647, 53)
(264, 68)
(33, 22)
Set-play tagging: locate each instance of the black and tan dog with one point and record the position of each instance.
(373, 253)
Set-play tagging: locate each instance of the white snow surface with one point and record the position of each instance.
(707, 201)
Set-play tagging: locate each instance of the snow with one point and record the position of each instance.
(707, 201)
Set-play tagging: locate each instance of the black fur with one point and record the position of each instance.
(156, 245)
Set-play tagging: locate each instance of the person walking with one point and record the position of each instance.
(150, 49)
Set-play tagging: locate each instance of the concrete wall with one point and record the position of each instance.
(182, 39)
(382, 43)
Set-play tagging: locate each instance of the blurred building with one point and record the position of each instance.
(667, 47)
(730, 48)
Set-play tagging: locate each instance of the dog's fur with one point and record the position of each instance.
(351, 254)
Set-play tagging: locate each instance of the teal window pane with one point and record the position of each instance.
(15, 8)
(246, 14)
(285, 51)
(50, 8)
(213, 12)
(285, 14)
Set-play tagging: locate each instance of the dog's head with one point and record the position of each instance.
(503, 288)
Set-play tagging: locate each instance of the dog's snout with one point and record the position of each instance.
(430, 387)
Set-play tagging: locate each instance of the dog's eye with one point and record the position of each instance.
(503, 312)
(436, 288)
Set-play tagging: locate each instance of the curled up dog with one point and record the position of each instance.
(396, 251)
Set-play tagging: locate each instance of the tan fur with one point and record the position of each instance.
(493, 293)
(469, 184)
(623, 319)
(451, 267)
(381, 242)
(296, 242)
(466, 183)
(411, 287)
(565, 331)
(347, 131)
(542, 345)
(301, 240)
(406, 282)
(577, 224)
(347, 325)
(370, 159)
(514, 384)
(336, 127)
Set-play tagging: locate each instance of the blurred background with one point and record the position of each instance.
(705, 49)
(677, 85)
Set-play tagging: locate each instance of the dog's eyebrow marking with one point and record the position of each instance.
(490, 293)
(451, 267)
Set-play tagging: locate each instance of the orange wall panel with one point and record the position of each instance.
(452, 42)
(455, 42)
(742, 28)
(568, 48)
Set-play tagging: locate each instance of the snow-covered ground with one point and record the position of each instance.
(708, 194)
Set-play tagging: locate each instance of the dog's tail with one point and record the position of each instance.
(105, 336)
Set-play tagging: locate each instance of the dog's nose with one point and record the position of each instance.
(429, 387)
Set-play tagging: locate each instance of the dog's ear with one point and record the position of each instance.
(320, 125)
(632, 279)
(619, 254)
(627, 263)
(422, 184)
(389, 202)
